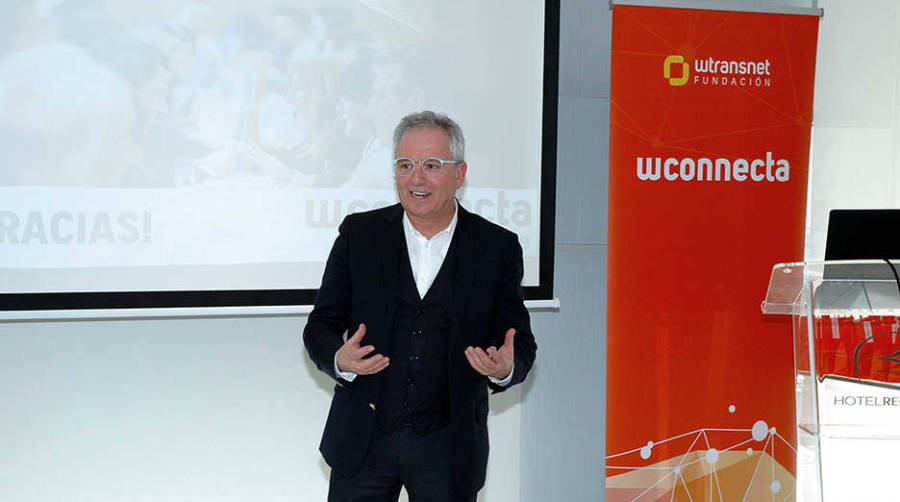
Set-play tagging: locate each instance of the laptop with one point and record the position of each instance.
(861, 234)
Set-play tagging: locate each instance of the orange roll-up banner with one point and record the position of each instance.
(709, 154)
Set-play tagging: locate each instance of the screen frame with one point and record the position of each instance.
(286, 297)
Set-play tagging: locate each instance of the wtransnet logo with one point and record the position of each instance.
(709, 71)
(676, 61)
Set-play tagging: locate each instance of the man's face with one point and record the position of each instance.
(428, 199)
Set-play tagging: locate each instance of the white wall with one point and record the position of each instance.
(856, 134)
(205, 409)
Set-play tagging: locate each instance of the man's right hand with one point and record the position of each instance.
(352, 357)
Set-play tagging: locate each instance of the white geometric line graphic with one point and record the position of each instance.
(659, 442)
(786, 442)
(789, 495)
(710, 464)
(686, 488)
(690, 449)
(632, 467)
(652, 486)
(718, 486)
(756, 469)
(774, 483)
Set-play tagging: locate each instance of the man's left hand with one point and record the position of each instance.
(494, 362)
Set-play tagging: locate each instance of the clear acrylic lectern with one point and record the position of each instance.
(846, 323)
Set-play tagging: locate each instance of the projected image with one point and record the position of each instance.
(201, 94)
(157, 145)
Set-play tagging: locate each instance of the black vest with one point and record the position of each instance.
(415, 390)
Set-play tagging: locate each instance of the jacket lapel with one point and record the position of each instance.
(390, 262)
(467, 250)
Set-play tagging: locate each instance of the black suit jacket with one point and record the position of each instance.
(360, 286)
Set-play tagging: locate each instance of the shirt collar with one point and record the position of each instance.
(411, 230)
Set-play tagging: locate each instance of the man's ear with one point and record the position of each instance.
(460, 174)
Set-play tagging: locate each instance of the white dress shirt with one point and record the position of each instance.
(427, 255)
(425, 258)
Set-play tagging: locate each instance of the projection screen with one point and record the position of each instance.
(165, 153)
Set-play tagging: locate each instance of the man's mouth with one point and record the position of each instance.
(419, 195)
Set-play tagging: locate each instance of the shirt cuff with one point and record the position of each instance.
(497, 381)
(349, 375)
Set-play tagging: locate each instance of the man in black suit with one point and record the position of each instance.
(428, 291)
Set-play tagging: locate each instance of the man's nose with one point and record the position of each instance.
(418, 175)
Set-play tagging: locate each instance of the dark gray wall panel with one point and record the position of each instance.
(584, 44)
(582, 179)
(564, 410)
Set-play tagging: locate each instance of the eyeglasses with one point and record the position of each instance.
(431, 166)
